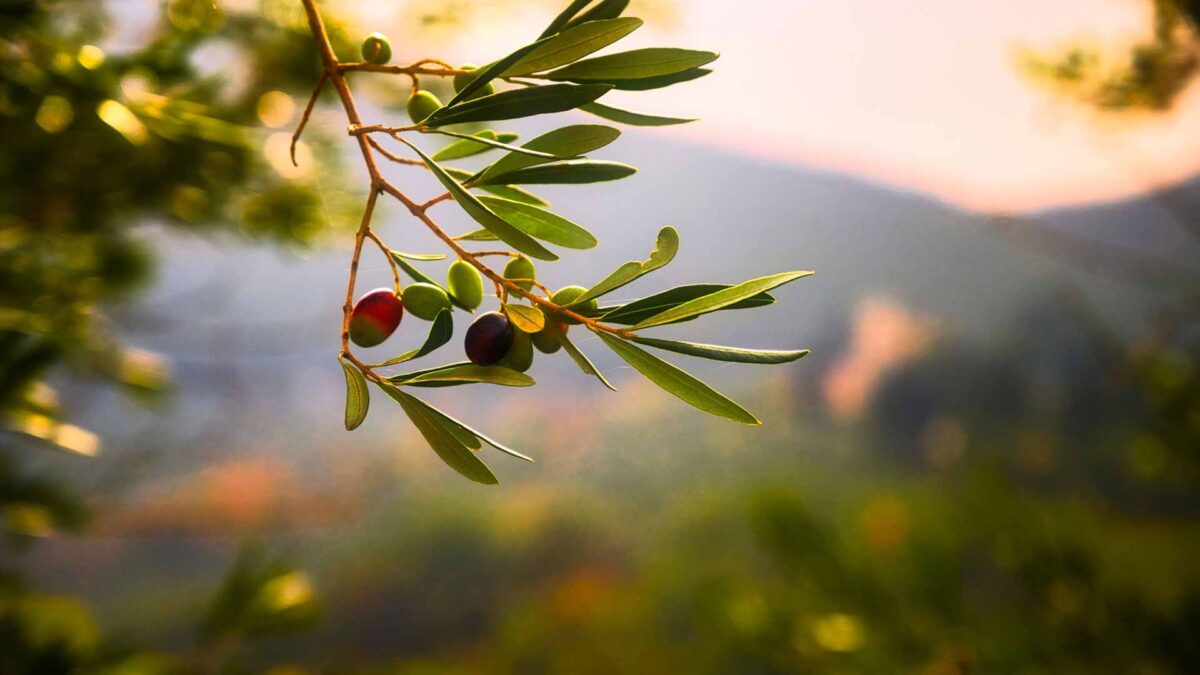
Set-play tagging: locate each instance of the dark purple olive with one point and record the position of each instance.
(489, 338)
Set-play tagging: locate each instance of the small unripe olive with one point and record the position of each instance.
(377, 49)
(461, 81)
(421, 105)
(465, 284)
(424, 301)
(546, 339)
(568, 294)
(520, 354)
(375, 317)
(489, 338)
(521, 268)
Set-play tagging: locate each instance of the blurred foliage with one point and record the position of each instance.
(1150, 78)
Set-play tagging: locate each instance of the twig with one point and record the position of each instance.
(387, 253)
(308, 108)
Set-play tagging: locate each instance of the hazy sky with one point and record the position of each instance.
(923, 95)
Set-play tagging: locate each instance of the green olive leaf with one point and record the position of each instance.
(540, 223)
(507, 105)
(527, 319)
(678, 382)
(477, 235)
(420, 257)
(492, 71)
(730, 354)
(484, 140)
(445, 440)
(358, 397)
(664, 252)
(634, 65)
(564, 17)
(482, 214)
(607, 9)
(571, 172)
(466, 147)
(648, 83)
(573, 44)
(632, 118)
(720, 299)
(464, 373)
(516, 194)
(633, 312)
(463, 429)
(576, 139)
(440, 332)
(585, 364)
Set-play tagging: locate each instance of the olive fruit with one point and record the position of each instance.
(489, 338)
(375, 317)
(568, 294)
(520, 354)
(520, 268)
(377, 49)
(422, 104)
(546, 339)
(465, 284)
(463, 80)
(425, 301)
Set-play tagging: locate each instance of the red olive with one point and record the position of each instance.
(489, 338)
(375, 317)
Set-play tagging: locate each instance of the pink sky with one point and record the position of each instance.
(920, 95)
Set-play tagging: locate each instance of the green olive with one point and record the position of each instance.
(546, 340)
(461, 81)
(377, 49)
(421, 105)
(425, 301)
(568, 294)
(521, 268)
(465, 284)
(520, 354)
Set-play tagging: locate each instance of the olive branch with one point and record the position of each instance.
(548, 76)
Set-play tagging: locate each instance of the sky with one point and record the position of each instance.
(924, 96)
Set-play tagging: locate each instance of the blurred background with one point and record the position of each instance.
(988, 464)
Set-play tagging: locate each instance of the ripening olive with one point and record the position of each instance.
(520, 354)
(568, 294)
(424, 301)
(421, 105)
(465, 284)
(375, 317)
(461, 81)
(546, 339)
(520, 268)
(377, 49)
(489, 338)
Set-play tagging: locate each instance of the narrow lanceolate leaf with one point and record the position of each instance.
(527, 319)
(508, 105)
(585, 364)
(540, 223)
(492, 71)
(632, 118)
(634, 65)
(564, 17)
(514, 193)
(358, 399)
(675, 381)
(573, 44)
(720, 299)
(576, 139)
(483, 139)
(440, 332)
(719, 353)
(573, 172)
(420, 257)
(633, 312)
(466, 147)
(607, 9)
(465, 430)
(446, 441)
(482, 214)
(664, 251)
(648, 83)
(507, 136)
(477, 235)
(464, 373)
